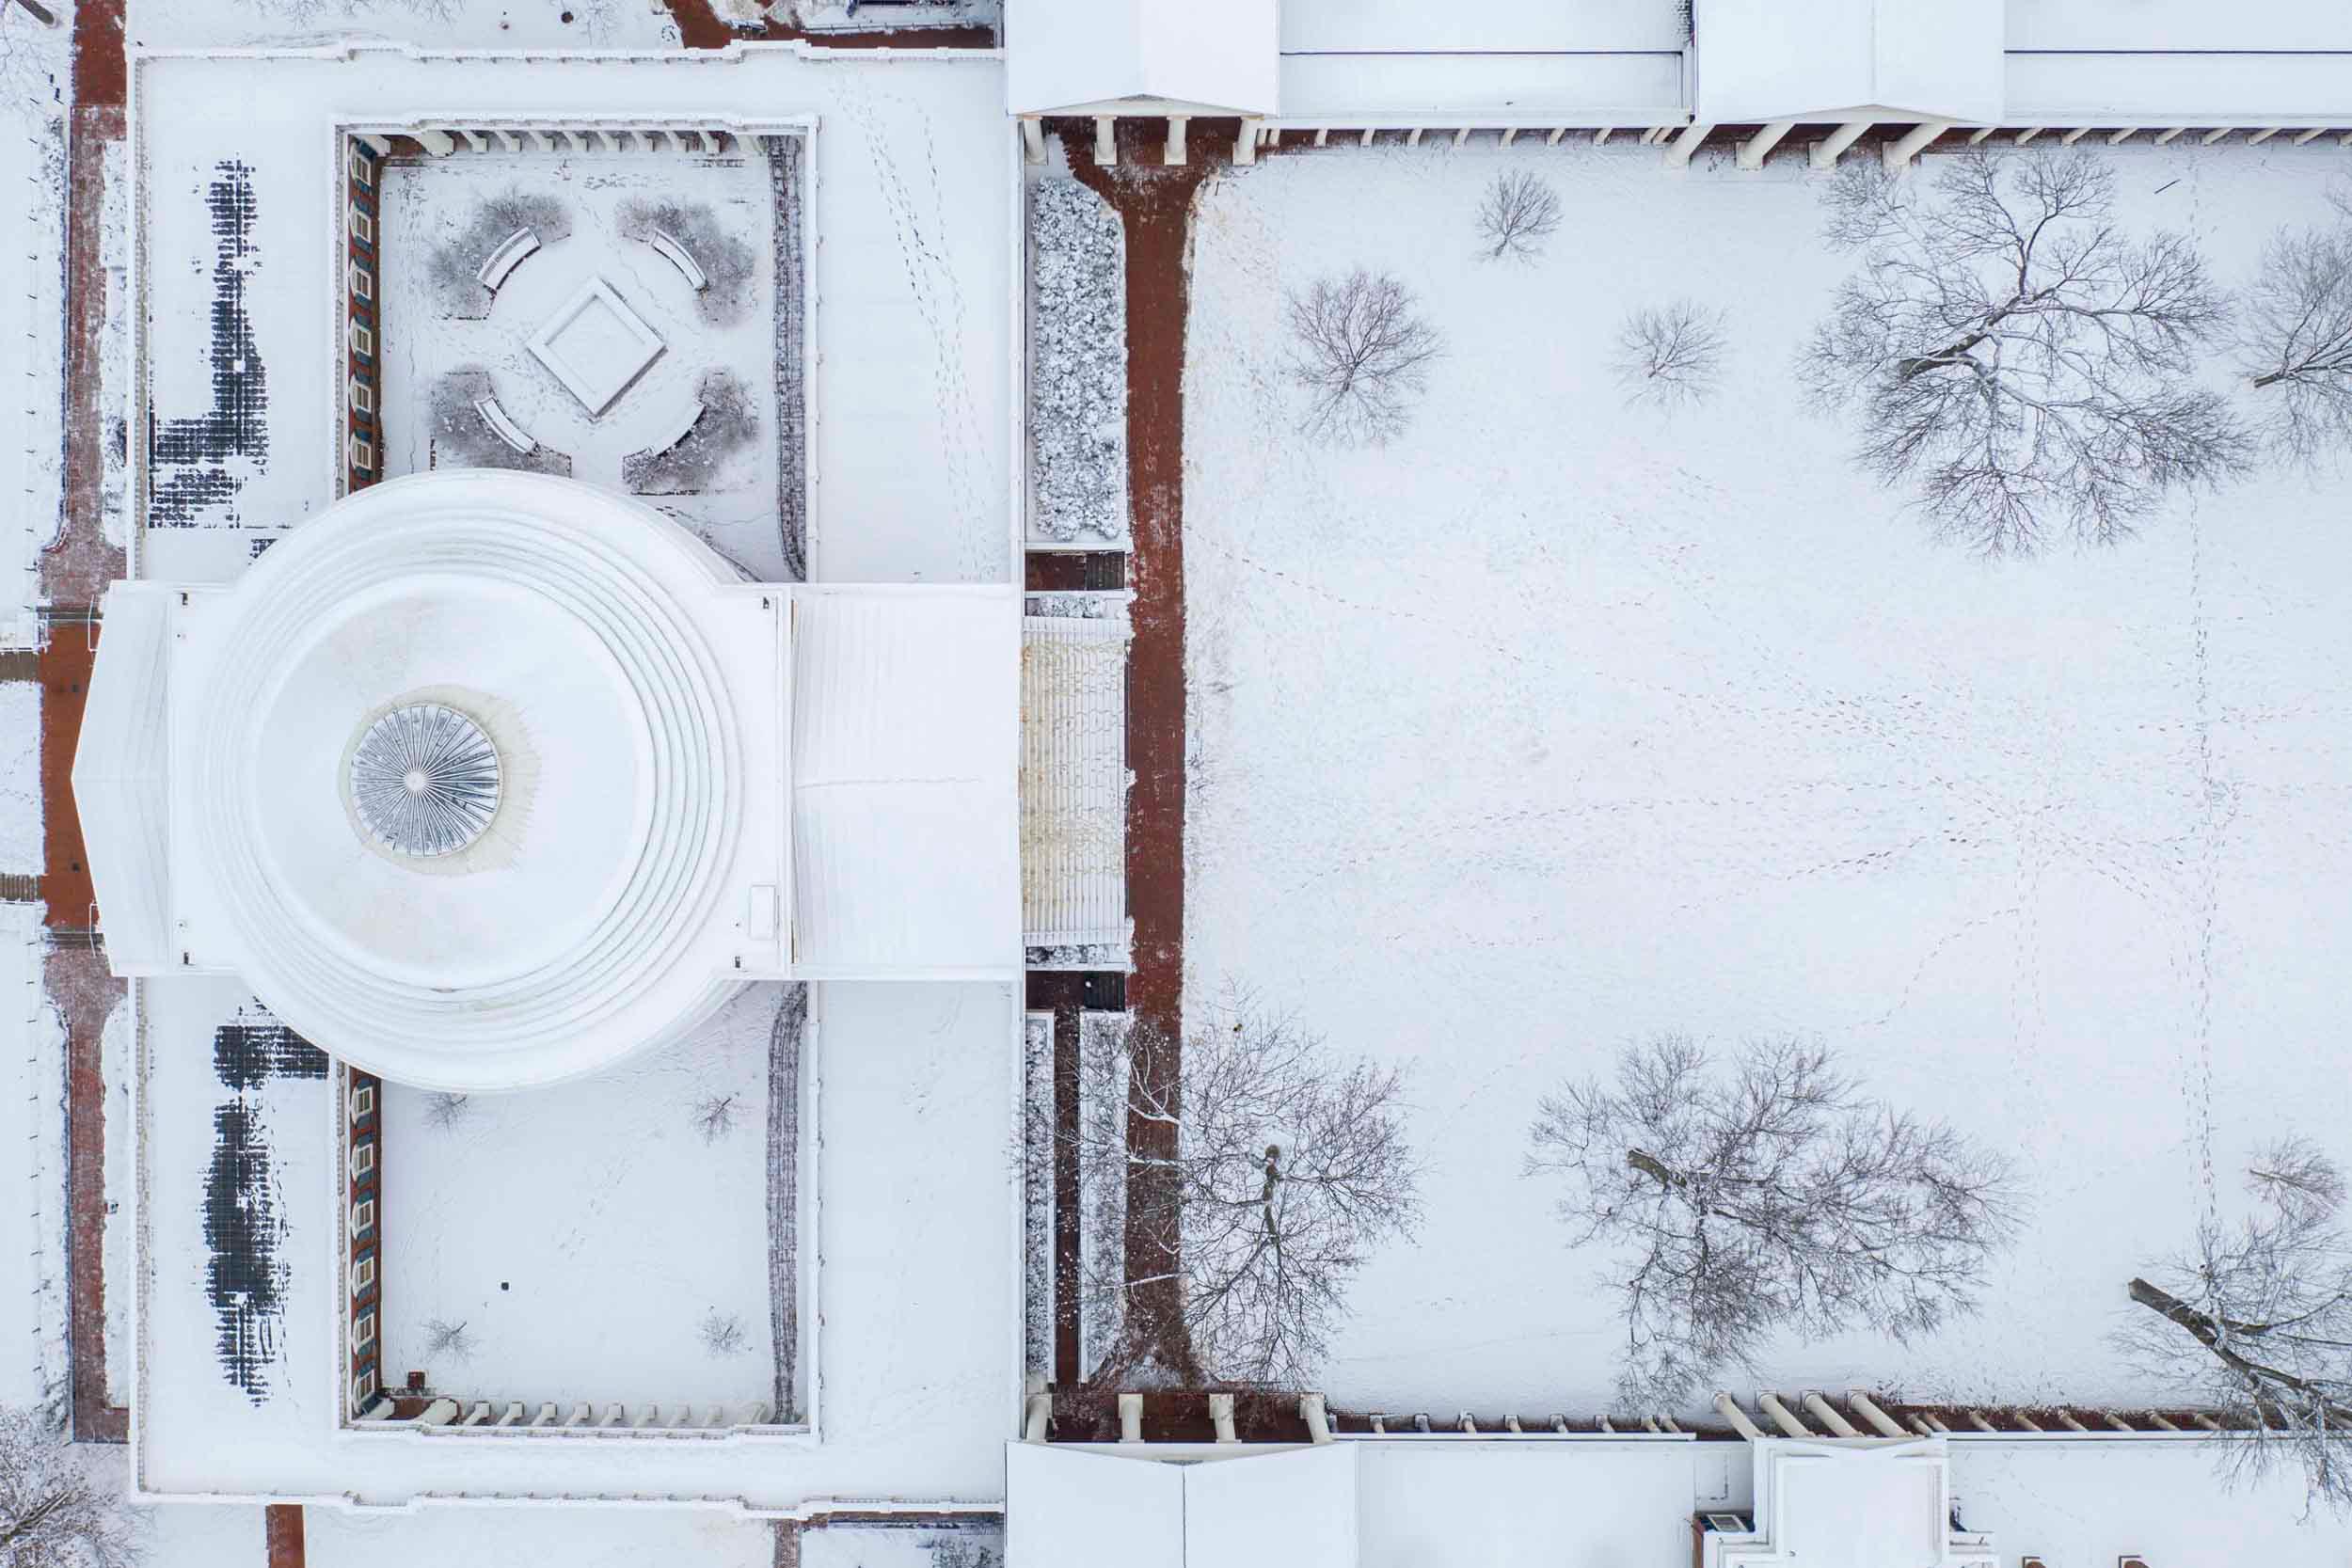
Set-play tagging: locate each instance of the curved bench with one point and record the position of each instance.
(509, 255)
(506, 429)
(675, 255)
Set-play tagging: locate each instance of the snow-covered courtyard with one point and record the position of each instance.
(603, 1241)
(669, 279)
(1561, 721)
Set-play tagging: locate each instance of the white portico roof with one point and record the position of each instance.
(629, 855)
(1213, 56)
(1853, 59)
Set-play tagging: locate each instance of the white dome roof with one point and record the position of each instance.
(526, 915)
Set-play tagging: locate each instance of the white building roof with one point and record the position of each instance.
(640, 861)
(120, 775)
(1918, 60)
(1214, 56)
(1079, 1508)
(906, 732)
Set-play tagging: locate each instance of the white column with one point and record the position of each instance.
(436, 143)
(2260, 137)
(1461, 134)
(1246, 145)
(1221, 1418)
(1318, 1420)
(376, 145)
(1864, 1407)
(2215, 136)
(1105, 141)
(2169, 134)
(1032, 139)
(1600, 137)
(2312, 134)
(1898, 155)
(1827, 1415)
(1830, 147)
(2077, 133)
(2124, 136)
(1729, 1409)
(1678, 155)
(1752, 151)
(1782, 1416)
(1131, 1417)
(1174, 153)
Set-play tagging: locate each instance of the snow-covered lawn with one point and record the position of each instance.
(582, 1236)
(35, 74)
(1560, 722)
(32, 1170)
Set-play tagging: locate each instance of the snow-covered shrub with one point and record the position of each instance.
(1077, 364)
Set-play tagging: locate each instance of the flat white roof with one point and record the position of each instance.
(906, 736)
(2093, 1500)
(1493, 26)
(1468, 1504)
(2179, 25)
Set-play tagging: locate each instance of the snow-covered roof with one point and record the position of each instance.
(120, 778)
(1919, 59)
(1492, 26)
(906, 725)
(625, 685)
(633, 855)
(1214, 56)
(1440, 88)
(1465, 1503)
(1852, 1504)
(1077, 1507)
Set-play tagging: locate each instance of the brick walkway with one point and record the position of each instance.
(1154, 205)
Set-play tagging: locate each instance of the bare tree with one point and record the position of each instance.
(722, 1334)
(445, 1111)
(1670, 354)
(2015, 354)
(450, 1339)
(2294, 342)
(714, 1117)
(1515, 216)
(1362, 352)
(54, 1514)
(1255, 1191)
(2255, 1322)
(1771, 1198)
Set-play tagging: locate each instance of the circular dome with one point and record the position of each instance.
(467, 777)
(424, 779)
